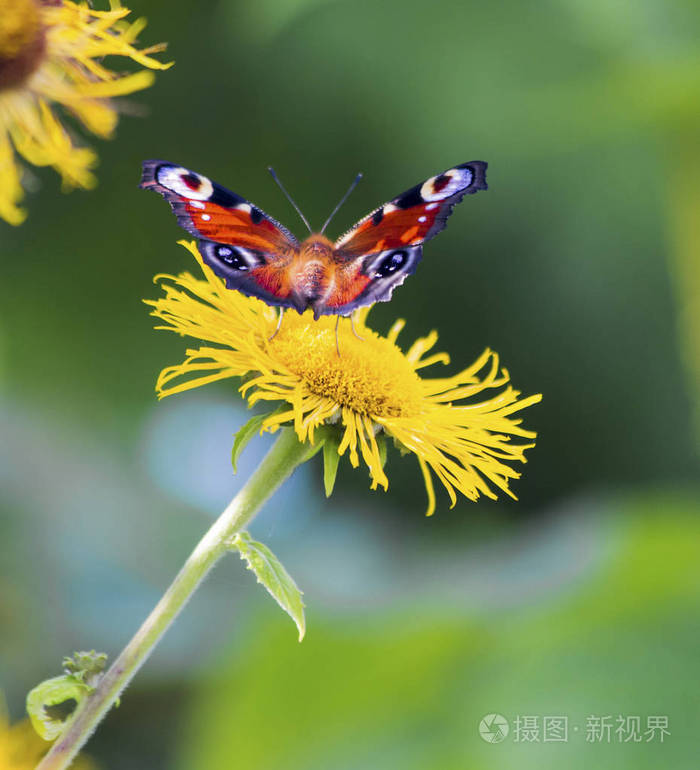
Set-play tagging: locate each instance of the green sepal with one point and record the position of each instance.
(247, 431)
(381, 445)
(49, 693)
(244, 435)
(331, 459)
(403, 451)
(273, 576)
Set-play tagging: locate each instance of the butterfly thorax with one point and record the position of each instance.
(310, 273)
(316, 246)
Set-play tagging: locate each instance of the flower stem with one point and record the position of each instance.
(284, 456)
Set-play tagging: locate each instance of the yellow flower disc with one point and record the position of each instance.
(19, 26)
(22, 42)
(369, 375)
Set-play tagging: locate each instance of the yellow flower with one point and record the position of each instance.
(21, 748)
(370, 390)
(51, 54)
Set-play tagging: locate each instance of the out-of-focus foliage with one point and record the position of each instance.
(394, 689)
(579, 266)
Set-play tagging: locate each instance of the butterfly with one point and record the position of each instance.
(259, 257)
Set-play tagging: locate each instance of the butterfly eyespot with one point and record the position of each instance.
(182, 181)
(191, 180)
(391, 263)
(232, 257)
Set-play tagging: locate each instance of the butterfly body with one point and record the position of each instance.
(313, 273)
(256, 255)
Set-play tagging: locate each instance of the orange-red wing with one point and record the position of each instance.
(365, 280)
(349, 282)
(415, 216)
(397, 229)
(238, 227)
(208, 210)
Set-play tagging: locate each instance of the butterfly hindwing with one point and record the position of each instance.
(242, 244)
(381, 250)
(250, 272)
(372, 278)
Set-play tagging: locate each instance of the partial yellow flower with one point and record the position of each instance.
(372, 388)
(22, 749)
(51, 55)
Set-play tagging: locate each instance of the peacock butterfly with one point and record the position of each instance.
(259, 257)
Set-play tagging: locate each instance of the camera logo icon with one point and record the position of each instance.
(494, 728)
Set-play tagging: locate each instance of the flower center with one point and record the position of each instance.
(22, 41)
(370, 376)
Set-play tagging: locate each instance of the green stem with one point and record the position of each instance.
(286, 454)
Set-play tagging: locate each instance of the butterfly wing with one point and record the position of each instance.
(416, 215)
(242, 244)
(376, 255)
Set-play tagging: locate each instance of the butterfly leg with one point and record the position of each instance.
(279, 323)
(337, 345)
(352, 326)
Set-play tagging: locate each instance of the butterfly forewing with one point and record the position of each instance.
(208, 210)
(416, 215)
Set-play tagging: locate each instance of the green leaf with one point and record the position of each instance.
(331, 458)
(244, 435)
(269, 571)
(49, 707)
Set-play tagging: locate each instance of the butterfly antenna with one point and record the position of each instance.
(288, 197)
(342, 200)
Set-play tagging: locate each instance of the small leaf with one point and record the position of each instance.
(331, 458)
(244, 435)
(48, 704)
(271, 574)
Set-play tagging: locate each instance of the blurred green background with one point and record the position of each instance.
(580, 266)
